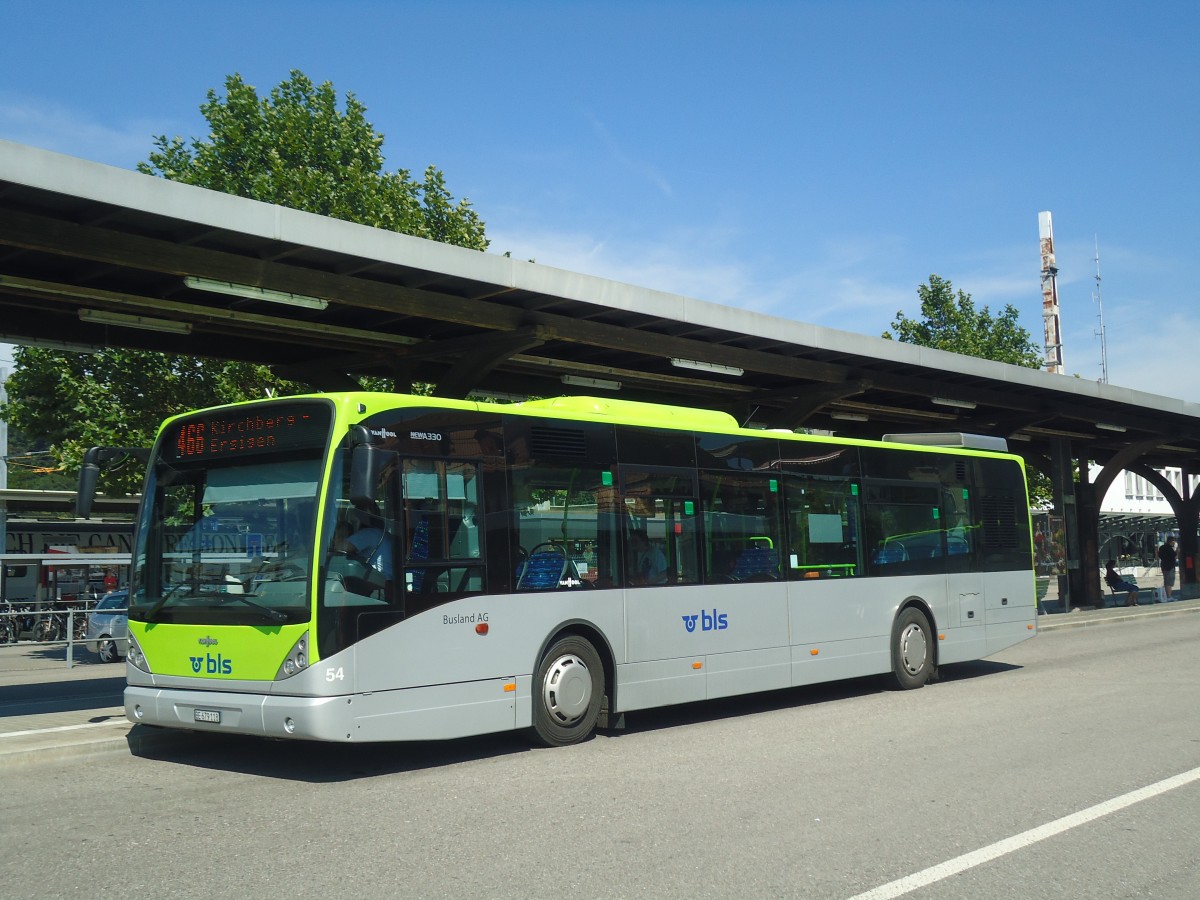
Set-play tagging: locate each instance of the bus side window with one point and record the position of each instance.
(742, 531)
(661, 526)
(443, 552)
(823, 527)
(904, 531)
(564, 518)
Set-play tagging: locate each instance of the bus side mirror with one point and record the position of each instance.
(85, 492)
(89, 473)
(367, 464)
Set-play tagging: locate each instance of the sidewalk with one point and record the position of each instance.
(48, 711)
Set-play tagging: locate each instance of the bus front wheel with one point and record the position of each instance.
(569, 688)
(912, 649)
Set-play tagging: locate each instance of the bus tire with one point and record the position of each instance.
(569, 688)
(912, 649)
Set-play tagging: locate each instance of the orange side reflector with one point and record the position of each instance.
(697, 665)
(481, 628)
(509, 688)
(812, 574)
(1030, 626)
(941, 637)
(814, 651)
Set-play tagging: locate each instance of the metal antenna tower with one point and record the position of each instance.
(1100, 306)
(1051, 316)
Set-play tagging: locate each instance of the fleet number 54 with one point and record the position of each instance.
(337, 674)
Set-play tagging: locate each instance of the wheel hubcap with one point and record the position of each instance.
(913, 649)
(567, 691)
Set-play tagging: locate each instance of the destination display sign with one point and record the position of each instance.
(247, 432)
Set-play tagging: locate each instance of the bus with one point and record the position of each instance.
(380, 567)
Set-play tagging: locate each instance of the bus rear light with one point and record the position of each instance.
(481, 628)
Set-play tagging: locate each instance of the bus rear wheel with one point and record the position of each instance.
(912, 649)
(569, 688)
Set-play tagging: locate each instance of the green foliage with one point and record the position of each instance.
(293, 147)
(31, 466)
(951, 322)
(118, 398)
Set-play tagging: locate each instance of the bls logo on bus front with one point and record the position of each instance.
(713, 621)
(212, 665)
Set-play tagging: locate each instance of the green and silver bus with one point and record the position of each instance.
(378, 567)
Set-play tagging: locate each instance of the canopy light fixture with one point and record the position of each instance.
(1107, 427)
(583, 381)
(848, 416)
(957, 404)
(49, 344)
(144, 323)
(250, 292)
(706, 367)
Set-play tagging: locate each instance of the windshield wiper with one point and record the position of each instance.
(153, 611)
(274, 615)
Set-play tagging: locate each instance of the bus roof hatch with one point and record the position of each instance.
(950, 439)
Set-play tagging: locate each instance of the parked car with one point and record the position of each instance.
(108, 627)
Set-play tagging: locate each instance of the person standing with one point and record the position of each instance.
(1167, 556)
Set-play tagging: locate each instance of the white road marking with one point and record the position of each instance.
(114, 721)
(936, 873)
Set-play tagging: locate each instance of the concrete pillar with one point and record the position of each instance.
(1062, 480)
(1188, 517)
(1088, 526)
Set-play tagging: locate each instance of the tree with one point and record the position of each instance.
(294, 148)
(951, 322)
(118, 398)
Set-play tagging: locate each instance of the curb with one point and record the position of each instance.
(110, 737)
(1108, 620)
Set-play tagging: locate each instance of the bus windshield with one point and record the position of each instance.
(227, 542)
(234, 544)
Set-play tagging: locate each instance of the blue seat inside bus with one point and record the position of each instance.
(418, 552)
(543, 570)
(891, 552)
(755, 562)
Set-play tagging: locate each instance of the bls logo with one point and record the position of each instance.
(212, 665)
(713, 621)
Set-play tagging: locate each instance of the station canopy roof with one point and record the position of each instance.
(94, 256)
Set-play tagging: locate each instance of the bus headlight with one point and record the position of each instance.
(296, 660)
(135, 656)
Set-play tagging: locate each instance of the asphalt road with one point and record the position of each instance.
(1014, 777)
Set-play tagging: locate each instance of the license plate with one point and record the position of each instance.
(208, 715)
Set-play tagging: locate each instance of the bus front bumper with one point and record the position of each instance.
(302, 718)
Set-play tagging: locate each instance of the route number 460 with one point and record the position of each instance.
(337, 674)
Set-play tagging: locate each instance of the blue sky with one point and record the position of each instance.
(812, 160)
